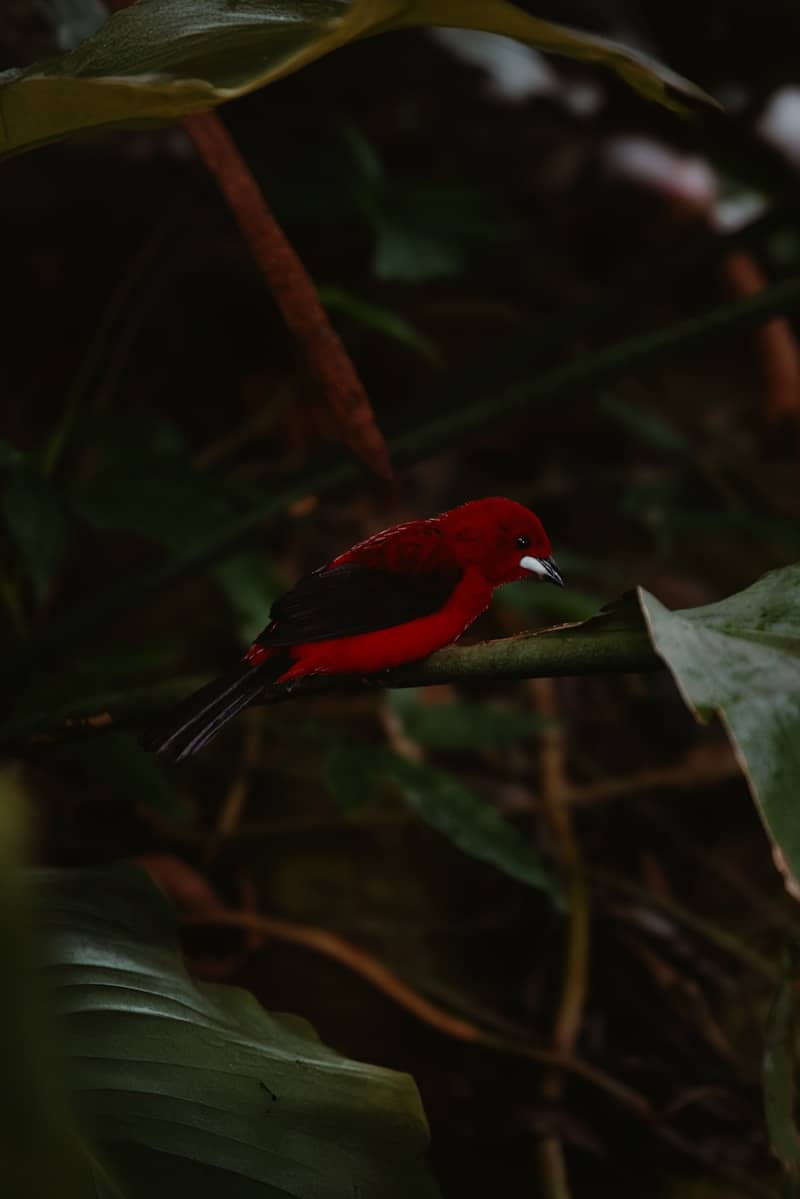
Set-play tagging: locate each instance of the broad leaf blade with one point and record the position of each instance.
(651, 79)
(470, 823)
(188, 1084)
(161, 59)
(740, 659)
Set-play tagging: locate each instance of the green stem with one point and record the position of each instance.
(594, 647)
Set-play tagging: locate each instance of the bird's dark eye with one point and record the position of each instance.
(523, 542)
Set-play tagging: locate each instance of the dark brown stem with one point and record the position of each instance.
(324, 354)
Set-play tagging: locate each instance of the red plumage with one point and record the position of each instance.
(393, 598)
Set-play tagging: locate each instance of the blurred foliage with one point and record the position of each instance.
(353, 774)
(168, 469)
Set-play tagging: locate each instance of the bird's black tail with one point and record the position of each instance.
(197, 719)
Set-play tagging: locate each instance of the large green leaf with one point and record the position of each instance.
(160, 59)
(740, 659)
(195, 1089)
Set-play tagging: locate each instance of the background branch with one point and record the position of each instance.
(293, 291)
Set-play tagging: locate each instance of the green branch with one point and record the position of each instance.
(598, 646)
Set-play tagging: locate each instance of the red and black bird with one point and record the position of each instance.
(391, 599)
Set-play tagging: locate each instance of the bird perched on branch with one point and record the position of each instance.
(391, 599)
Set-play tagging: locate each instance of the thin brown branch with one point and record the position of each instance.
(373, 971)
(695, 771)
(326, 358)
(384, 980)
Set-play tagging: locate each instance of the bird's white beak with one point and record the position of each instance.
(544, 567)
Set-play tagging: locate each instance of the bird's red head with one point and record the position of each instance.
(502, 539)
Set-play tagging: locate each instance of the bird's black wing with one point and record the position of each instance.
(343, 601)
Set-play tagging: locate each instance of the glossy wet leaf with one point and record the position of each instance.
(196, 1089)
(160, 59)
(740, 659)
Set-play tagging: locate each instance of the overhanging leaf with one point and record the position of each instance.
(195, 1088)
(161, 59)
(740, 659)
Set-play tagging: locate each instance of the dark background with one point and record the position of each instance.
(465, 243)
